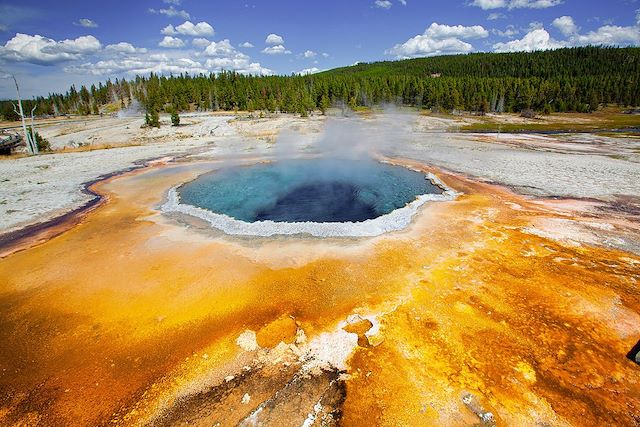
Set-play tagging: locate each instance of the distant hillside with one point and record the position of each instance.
(576, 79)
(570, 62)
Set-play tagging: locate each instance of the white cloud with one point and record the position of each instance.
(44, 51)
(489, 4)
(307, 71)
(310, 54)
(176, 2)
(82, 45)
(85, 22)
(274, 39)
(276, 50)
(383, 4)
(200, 29)
(223, 56)
(172, 12)
(610, 35)
(188, 28)
(139, 66)
(535, 25)
(439, 39)
(200, 42)
(240, 64)
(247, 45)
(439, 31)
(169, 30)
(173, 61)
(124, 48)
(538, 39)
(515, 4)
(508, 32)
(638, 17)
(495, 16)
(403, 2)
(221, 48)
(565, 25)
(325, 54)
(171, 42)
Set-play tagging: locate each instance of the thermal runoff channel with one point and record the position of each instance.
(319, 190)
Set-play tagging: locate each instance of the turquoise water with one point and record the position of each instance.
(317, 190)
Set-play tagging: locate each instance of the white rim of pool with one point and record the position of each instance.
(395, 220)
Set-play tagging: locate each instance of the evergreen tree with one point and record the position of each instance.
(175, 117)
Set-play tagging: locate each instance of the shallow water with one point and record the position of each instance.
(318, 190)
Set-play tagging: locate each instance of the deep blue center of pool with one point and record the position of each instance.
(307, 190)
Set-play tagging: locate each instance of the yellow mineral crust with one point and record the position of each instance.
(124, 318)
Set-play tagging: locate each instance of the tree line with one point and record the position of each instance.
(573, 79)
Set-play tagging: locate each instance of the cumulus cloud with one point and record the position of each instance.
(221, 48)
(223, 56)
(610, 35)
(515, 4)
(188, 28)
(276, 50)
(169, 30)
(310, 54)
(439, 39)
(274, 39)
(171, 12)
(175, 2)
(239, 64)
(247, 45)
(159, 64)
(41, 50)
(171, 42)
(383, 4)
(565, 25)
(538, 39)
(124, 48)
(216, 57)
(200, 29)
(277, 45)
(307, 71)
(200, 42)
(85, 22)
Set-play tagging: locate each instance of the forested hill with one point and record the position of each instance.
(571, 62)
(575, 79)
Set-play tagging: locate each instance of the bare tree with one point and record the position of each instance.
(34, 141)
(32, 147)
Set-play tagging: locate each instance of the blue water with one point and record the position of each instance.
(317, 190)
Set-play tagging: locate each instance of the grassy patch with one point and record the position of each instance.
(600, 121)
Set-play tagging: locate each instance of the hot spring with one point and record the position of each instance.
(321, 197)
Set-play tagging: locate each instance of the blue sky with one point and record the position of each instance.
(51, 45)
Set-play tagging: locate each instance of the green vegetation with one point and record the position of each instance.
(175, 117)
(575, 79)
(42, 143)
(604, 119)
(152, 118)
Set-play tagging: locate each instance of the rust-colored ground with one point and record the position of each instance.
(131, 318)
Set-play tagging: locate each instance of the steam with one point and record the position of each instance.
(133, 110)
(344, 140)
(349, 137)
